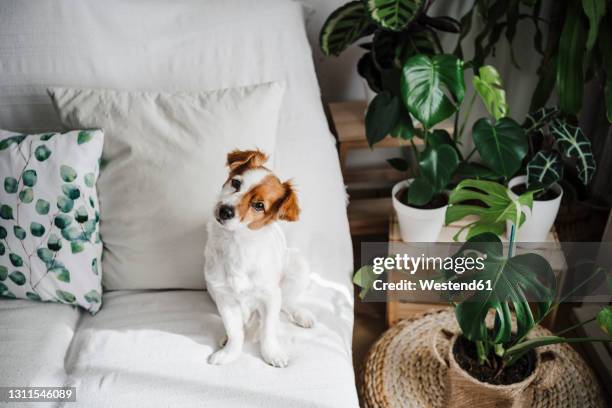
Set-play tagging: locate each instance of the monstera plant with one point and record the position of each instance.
(399, 29)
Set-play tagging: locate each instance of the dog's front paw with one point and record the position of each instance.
(302, 317)
(223, 356)
(275, 356)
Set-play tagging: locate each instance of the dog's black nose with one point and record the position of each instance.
(226, 212)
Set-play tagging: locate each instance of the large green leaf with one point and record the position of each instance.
(420, 192)
(537, 120)
(393, 14)
(502, 146)
(594, 10)
(604, 320)
(438, 164)
(545, 169)
(573, 143)
(570, 75)
(382, 115)
(514, 282)
(606, 54)
(424, 82)
(496, 207)
(364, 277)
(344, 26)
(475, 171)
(368, 71)
(489, 86)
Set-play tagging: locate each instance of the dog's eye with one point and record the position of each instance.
(236, 184)
(258, 206)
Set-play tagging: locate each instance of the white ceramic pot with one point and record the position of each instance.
(417, 224)
(540, 219)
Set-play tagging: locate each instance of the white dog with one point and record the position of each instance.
(249, 270)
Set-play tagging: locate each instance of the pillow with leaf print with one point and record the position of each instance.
(50, 247)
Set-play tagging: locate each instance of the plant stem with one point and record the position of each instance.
(471, 154)
(466, 116)
(482, 354)
(575, 326)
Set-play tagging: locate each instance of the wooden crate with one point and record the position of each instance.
(398, 310)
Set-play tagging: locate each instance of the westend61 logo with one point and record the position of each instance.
(409, 264)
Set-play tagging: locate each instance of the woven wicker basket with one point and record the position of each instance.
(401, 370)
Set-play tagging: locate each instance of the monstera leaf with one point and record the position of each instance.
(345, 26)
(424, 83)
(497, 207)
(514, 282)
(393, 15)
(536, 121)
(573, 143)
(545, 169)
(604, 320)
(502, 146)
(489, 86)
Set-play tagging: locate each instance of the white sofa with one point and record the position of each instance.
(148, 348)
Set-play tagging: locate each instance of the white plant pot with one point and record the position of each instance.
(540, 219)
(417, 224)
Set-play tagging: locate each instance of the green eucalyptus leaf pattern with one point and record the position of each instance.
(94, 265)
(76, 247)
(71, 233)
(5, 143)
(19, 232)
(38, 230)
(47, 248)
(89, 179)
(65, 296)
(6, 212)
(65, 204)
(18, 278)
(67, 173)
(62, 221)
(29, 178)
(26, 195)
(54, 243)
(81, 214)
(61, 273)
(33, 296)
(10, 185)
(16, 260)
(42, 153)
(83, 137)
(45, 255)
(93, 297)
(71, 191)
(42, 206)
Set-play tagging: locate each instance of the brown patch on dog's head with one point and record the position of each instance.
(269, 201)
(239, 161)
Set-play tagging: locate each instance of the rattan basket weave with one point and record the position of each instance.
(401, 371)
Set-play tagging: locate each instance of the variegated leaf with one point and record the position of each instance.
(573, 143)
(544, 169)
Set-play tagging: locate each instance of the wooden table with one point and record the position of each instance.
(398, 309)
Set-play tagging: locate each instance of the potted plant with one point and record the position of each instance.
(398, 30)
(554, 143)
(492, 364)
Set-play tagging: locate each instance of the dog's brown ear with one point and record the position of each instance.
(289, 209)
(245, 158)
